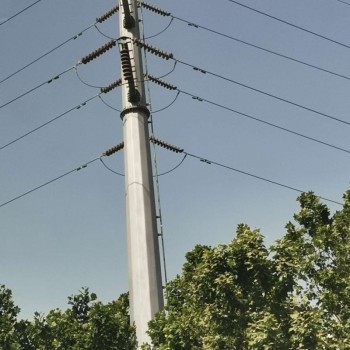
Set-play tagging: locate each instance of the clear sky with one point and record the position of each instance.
(71, 233)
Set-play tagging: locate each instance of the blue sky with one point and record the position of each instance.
(71, 233)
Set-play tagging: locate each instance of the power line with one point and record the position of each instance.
(207, 161)
(48, 183)
(98, 20)
(46, 54)
(36, 87)
(18, 13)
(261, 48)
(344, 2)
(290, 24)
(200, 99)
(264, 93)
(48, 122)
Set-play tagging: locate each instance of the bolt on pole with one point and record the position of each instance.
(145, 281)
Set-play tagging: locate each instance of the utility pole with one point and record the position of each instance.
(145, 281)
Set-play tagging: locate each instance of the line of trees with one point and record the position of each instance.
(294, 294)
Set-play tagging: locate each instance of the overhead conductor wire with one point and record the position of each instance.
(18, 13)
(36, 87)
(74, 37)
(168, 56)
(48, 122)
(155, 165)
(290, 24)
(194, 25)
(201, 99)
(46, 54)
(227, 167)
(49, 182)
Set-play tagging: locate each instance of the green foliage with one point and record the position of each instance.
(294, 295)
(8, 319)
(86, 325)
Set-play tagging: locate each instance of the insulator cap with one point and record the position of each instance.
(107, 14)
(113, 150)
(154, 9)
(161, 82)
(166, 145)
(100, 51)
(154, 50)
(110, 87)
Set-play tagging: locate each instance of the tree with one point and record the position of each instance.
(293, 295)
(87, 325)
(8, 319)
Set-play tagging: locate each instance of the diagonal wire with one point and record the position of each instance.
(207, 161)
(290, 24)
(46, 54)
(266, 93)
(18, 13)
(344, 2)
(36, 87)
(261, 48)
(265, 122)
(48, 182)
(47, 123)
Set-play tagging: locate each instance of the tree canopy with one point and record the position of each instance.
(87, 324)
(292, 295)
(242, 295)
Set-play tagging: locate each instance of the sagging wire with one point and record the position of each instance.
(110, 152)
(173, 169)
(84, 82)
(103, 34)
(165, 75)
(108, 105)
(162, 31)
(109, 169)
(169, 105)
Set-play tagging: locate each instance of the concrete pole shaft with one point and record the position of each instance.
(145, 282)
